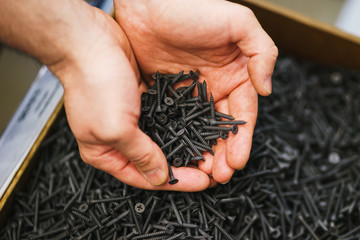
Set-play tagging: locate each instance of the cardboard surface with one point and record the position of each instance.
(305, 37)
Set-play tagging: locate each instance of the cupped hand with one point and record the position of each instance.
(102, 90)
(222, 40)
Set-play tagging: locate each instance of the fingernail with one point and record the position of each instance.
(155, 177)
(267, 84)
(225, 182)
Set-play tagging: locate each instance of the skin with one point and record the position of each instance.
(94, 59)
(221, 39)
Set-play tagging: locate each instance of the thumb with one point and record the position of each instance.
(255, 44)
(146, 155)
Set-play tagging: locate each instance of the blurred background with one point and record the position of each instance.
(17, 70)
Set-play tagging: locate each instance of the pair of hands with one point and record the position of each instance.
(102, 83)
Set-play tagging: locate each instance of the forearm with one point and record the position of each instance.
(50, 30)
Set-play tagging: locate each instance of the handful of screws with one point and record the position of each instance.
(302, 180)
(183, 125)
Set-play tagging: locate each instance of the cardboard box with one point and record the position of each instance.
(292, 32)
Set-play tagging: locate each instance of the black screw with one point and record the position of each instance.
(172, 180)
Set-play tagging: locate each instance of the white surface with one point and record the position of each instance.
(349, 17)
(27, 123)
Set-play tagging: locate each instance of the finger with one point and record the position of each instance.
(243, 104)
(213, 183)
(146, 155)
(221, 171)
(255, 44)
(116, 164)
(206, 166)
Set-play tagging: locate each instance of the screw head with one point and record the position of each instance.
(173, 181)
(169, 229)
(83, 207)
(177, 162)
(149, 121)
(169, 101)
(224, 135)
(162, 118)
(180, 99)
(234, 129)
(152, 91)
(139, 207)
(334, 158)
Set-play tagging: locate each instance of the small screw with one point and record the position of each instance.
(172, 180)
(139, 207)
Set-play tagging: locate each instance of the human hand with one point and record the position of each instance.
(225, 42)
(102, 102)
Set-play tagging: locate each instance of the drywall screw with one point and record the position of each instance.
(202, 207)
(99, 193)
(221, 229)
(250, 223)
(223, 115)
(168, 228)
(302, 220)
(36, 214)
(178, 77)
(72, 175)
(96, 219)
(214, 211)
(118, 218)
(234, 129)
(212, 107)
(172, 180)
(214, 122)
(158, 96)
(195, 115)
(200, 91)
(86, 183)
(197, 106)
(203, 147)
(176, 150)
(162, 118)
(192, 146)
(113, 199)
(139, 207)
(132, 209)
(177, 162)
(197, 134)
(189, 89)
(150, 235)
(81, 216)
(169, 101)
(83, 207)
(204, 91)
(177, 236)
(147, 221)
(169, 143)
(176, 211)
(193, 99)
(179, 98)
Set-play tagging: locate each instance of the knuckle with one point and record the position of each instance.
(142, 159)
(114, 133)
(274, 51)
(247, 12)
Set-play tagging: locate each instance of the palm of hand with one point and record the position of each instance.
(102, 102)
(173, 36)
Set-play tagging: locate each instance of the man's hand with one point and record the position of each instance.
(87, 50)
(221, 39)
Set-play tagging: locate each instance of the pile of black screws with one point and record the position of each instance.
(183, 125)
(302, 180)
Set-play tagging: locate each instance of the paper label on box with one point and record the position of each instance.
(27, 123)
